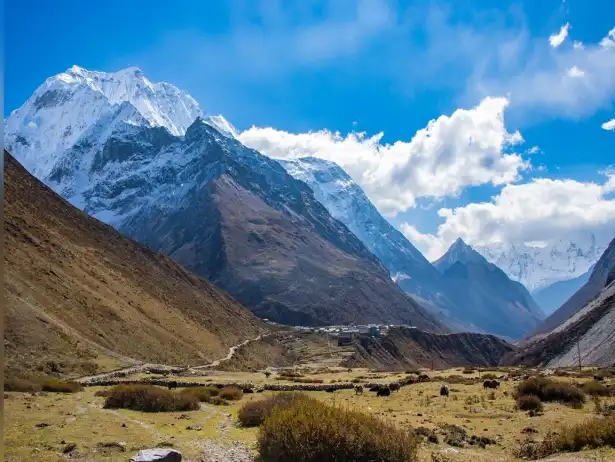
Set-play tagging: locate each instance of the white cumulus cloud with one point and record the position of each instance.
(609, 40)
(556, 40)
(468, 148)
(574, 71)
(610, 125)
(525, 213)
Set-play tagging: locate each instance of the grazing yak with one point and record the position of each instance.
(172, 385)
(384, 391)
(444, 390)
(394, 386)
(358, 389)
(330, 389)
(491, 384)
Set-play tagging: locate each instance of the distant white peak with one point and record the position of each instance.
(222, 125)
(161, 104)
(460, 252)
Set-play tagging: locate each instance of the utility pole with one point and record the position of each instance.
(579, 353)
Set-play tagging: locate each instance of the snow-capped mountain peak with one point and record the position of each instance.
(538, 266)
(67, 105)
(222, 125)
(460, 252)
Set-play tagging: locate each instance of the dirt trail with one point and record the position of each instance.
(134, 369)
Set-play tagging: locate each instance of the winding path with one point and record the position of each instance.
(140, 367)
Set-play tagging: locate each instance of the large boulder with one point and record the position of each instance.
(157, 455)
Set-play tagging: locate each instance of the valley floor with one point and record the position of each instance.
(38, 427)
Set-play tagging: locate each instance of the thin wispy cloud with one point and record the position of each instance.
(556, 40)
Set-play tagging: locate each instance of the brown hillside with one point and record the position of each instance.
(402, 348)
(81, 297)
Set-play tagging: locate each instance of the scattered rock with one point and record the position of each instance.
(183, 416)
(157, 455)
(428, 433)
(69, 448)
(529, 430)
(123, 425)
(41, 425)
(194, 427)
(112, 447)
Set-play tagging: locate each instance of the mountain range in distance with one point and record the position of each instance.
(297, 242)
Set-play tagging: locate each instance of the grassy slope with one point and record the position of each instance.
(81, 297)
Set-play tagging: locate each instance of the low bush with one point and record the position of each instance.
(311, 431)
(551, 391)
(529, 403)
(149, 398)
(595, 433)
(289, 373)
(459, 380)
(597, 388)
(59, 386)
(253, 414)
(203, 394)
(489, 376)
(469, 370)
(21, 385)
(231, 393)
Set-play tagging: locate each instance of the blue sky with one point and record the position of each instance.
(371, 66)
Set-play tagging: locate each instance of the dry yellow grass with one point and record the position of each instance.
(79, 418)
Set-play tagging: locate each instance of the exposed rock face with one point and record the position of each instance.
(488, 297)
(402, 348)
(588, 325)
(587, 292)
(78, 292)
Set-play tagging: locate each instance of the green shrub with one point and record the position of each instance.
(595, 433)
(217, 401)
(529, 403)
(149, 398)
(551, 391)
(21, 385)
(231, 393)
(253, 414)
(289, 373)
(489, 376)
(597, 388)
(311, 431)
(59, 386)
(203, 394)
(469, 370)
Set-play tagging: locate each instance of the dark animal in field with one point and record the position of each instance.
(384, 391)
(172, 385)
(330, 389)
(444, 390)
(423, 378)
(248, 390)
(259, 390)
(267, 374)
(394, 386)
(491, 384)
(358, 390)
(375, 388)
